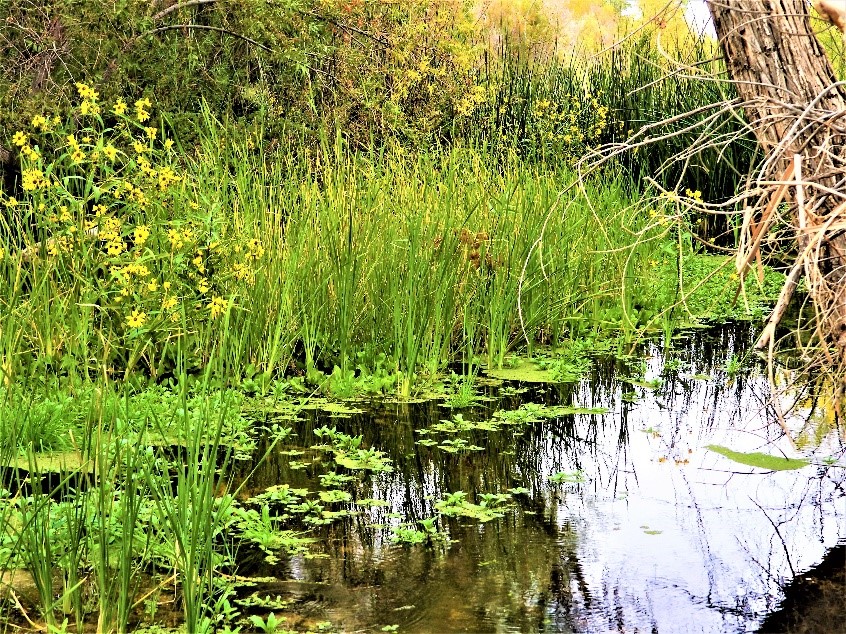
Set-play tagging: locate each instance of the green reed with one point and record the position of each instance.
(560, 107)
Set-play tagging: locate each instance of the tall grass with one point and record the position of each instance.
(556, 108)
(399, 257)
(403, 261)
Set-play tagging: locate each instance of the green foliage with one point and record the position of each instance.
(289, 67)
(132, 262)
(712, 289)
(490, 506)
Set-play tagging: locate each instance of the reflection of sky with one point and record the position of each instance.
(699, 17)
(694, 547)
(645, 544)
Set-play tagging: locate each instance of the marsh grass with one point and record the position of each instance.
(321, 258)
(565, 105)
(420, 259)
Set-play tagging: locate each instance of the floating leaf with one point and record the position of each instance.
(760, 460)
(564, 477)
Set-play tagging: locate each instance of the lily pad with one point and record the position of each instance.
(525, 371)
(53, 462)
(760, 460)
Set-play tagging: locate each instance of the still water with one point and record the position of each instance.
(647, 530)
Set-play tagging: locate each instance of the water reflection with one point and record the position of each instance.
(662, 536)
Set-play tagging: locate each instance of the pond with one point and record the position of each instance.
(613, 517)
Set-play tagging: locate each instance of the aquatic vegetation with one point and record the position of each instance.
(461, 391)
(759, 459)
(348, 452)
(427, 534)
(565, 477)
(490, 506)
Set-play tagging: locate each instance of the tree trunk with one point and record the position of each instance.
(793, 104)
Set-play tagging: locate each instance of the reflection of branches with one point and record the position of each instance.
(778, 534)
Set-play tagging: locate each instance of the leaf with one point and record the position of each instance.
(760, 460)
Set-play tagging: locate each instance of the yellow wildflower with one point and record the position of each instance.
(87, 108)
(136, 319)
(64, 214)
(40, 123)
(77, 156)
(110, 152)
(217, 306)
(115, 247)
(254, 249)
(175, 239)
(203, 285)
(32, 179)
(141, 112)
(86, 92)
(151, 132)
(30, 152)
(168, 302)
(241, 271)
(166, 286)
(140, 234)
(198, 262)
(120, 107)
(696, 195)
(168, 144)
(153, 285)
(20, 139)
(139, 147)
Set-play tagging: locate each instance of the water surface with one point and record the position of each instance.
(662, 535)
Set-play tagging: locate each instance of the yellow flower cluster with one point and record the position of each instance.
(76, 153)
(21, 140)
(217, 307)
(41, 123)
(696, 195)
(142, 112)
(89, 105)
(579, 120)
(60, 244)
(109, 233)
(242, 272)
(255, 250)
(33, 179)
(178, 238)
(116, 225)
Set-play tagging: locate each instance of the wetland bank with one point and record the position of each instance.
(358, 346)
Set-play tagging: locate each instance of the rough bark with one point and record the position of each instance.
(795, 107)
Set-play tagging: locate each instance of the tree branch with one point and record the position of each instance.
(181, 5)
(206, 28)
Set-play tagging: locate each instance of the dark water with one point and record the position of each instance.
(662, 536)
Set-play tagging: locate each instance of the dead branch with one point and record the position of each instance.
(203, 27)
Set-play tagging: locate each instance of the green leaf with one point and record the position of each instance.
(760, 460)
